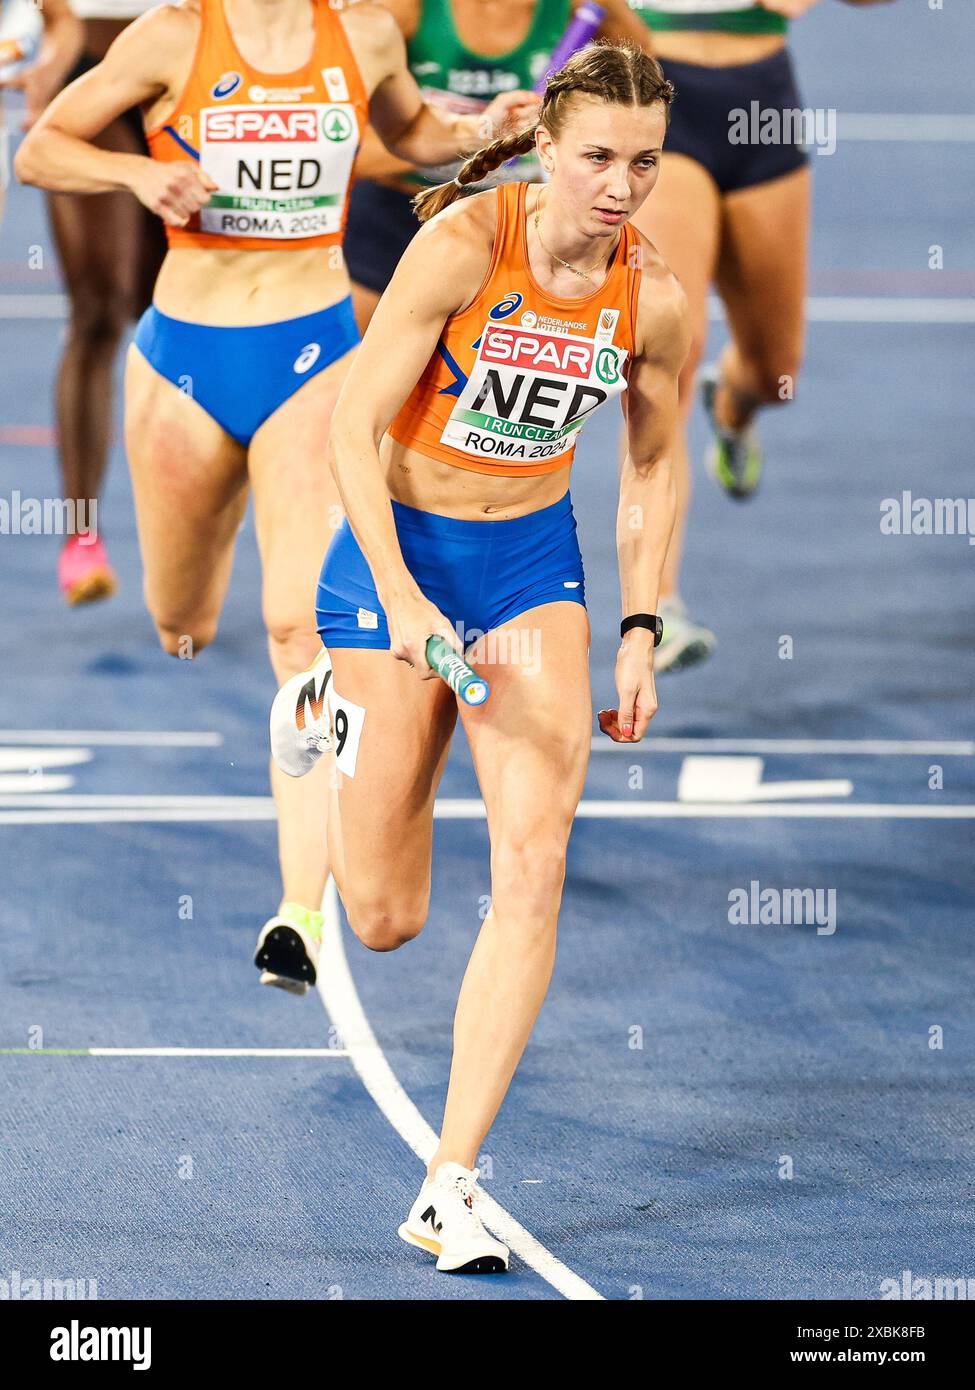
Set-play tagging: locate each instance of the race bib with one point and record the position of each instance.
(529, 392)
(282, 170)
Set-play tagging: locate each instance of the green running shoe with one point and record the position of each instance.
(734, 458)
(684, 643)
(287, 948)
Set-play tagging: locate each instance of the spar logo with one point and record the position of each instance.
(226, 85)
(336, 124)
(541, 352)
(290, 125)
(608, 366)
(506, 306)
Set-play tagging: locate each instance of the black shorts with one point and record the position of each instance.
(380, 225)
(704, 115)
(132, 117)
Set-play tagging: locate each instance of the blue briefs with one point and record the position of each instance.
(480, 574)
(241, 375)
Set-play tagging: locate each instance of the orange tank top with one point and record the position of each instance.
(517, 372)
(281, 146)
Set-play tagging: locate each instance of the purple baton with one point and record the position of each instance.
(585, 22)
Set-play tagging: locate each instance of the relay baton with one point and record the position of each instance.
(585, 22)
(462, 679)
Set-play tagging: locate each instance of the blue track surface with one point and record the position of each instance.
(653, 1168)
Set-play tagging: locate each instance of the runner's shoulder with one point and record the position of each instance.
(373, 25)
(166, 32)
(662, 311)
(467, 226)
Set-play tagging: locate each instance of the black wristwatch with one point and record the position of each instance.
(651, 621)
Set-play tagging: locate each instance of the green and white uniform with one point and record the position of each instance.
(727, 16)
(453, 76)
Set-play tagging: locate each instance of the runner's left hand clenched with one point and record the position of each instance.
(635, 688)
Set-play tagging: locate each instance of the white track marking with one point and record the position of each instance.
(739, 779)
(33, 306)
(875, 309)
(666, 810)
(19, 759)
(217, 1052)
(152, 738)
(261, 808)
(344, 1008)
(898, 128)
(174, 1051)
(892, 747)
(819, 309)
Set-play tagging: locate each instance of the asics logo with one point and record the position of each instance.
(307, 357)
(431, 1215)
(226, 85)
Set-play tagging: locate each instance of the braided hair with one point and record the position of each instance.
(620, 73)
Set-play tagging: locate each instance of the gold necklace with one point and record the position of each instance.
(583, 274)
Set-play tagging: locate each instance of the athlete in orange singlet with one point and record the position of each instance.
(511, 317)
(254, 110)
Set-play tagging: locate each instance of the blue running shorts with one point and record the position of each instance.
(241, 375)
(480, 574)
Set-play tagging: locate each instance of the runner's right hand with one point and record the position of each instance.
(174, 191)
(412, 622)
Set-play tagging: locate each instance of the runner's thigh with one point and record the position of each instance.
(386, 808)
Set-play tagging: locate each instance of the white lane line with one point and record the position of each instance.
(33, 306)
(666, 810)
(217, 1052)
(344, 1008)
(897, 127)
(819, 309)
(472, 808)
(875, 309)
(152, 738)
(889, 747)
(262, 810)
(17, 759)
(110, 801)
(173, 1052)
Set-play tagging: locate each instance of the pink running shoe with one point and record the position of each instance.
(84, 573)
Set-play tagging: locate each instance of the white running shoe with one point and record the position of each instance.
(444, 1221)
(301, 722)
(684, 643)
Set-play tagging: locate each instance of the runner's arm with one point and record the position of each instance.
(58, 154)
(647, 502)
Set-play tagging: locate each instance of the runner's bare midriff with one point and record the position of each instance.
(418, 481)
(236, 288)
(712, 49)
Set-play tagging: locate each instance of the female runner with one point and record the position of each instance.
(736, 214)
(253, 111)
(512, 315)
(110, 248)
(461, 52)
